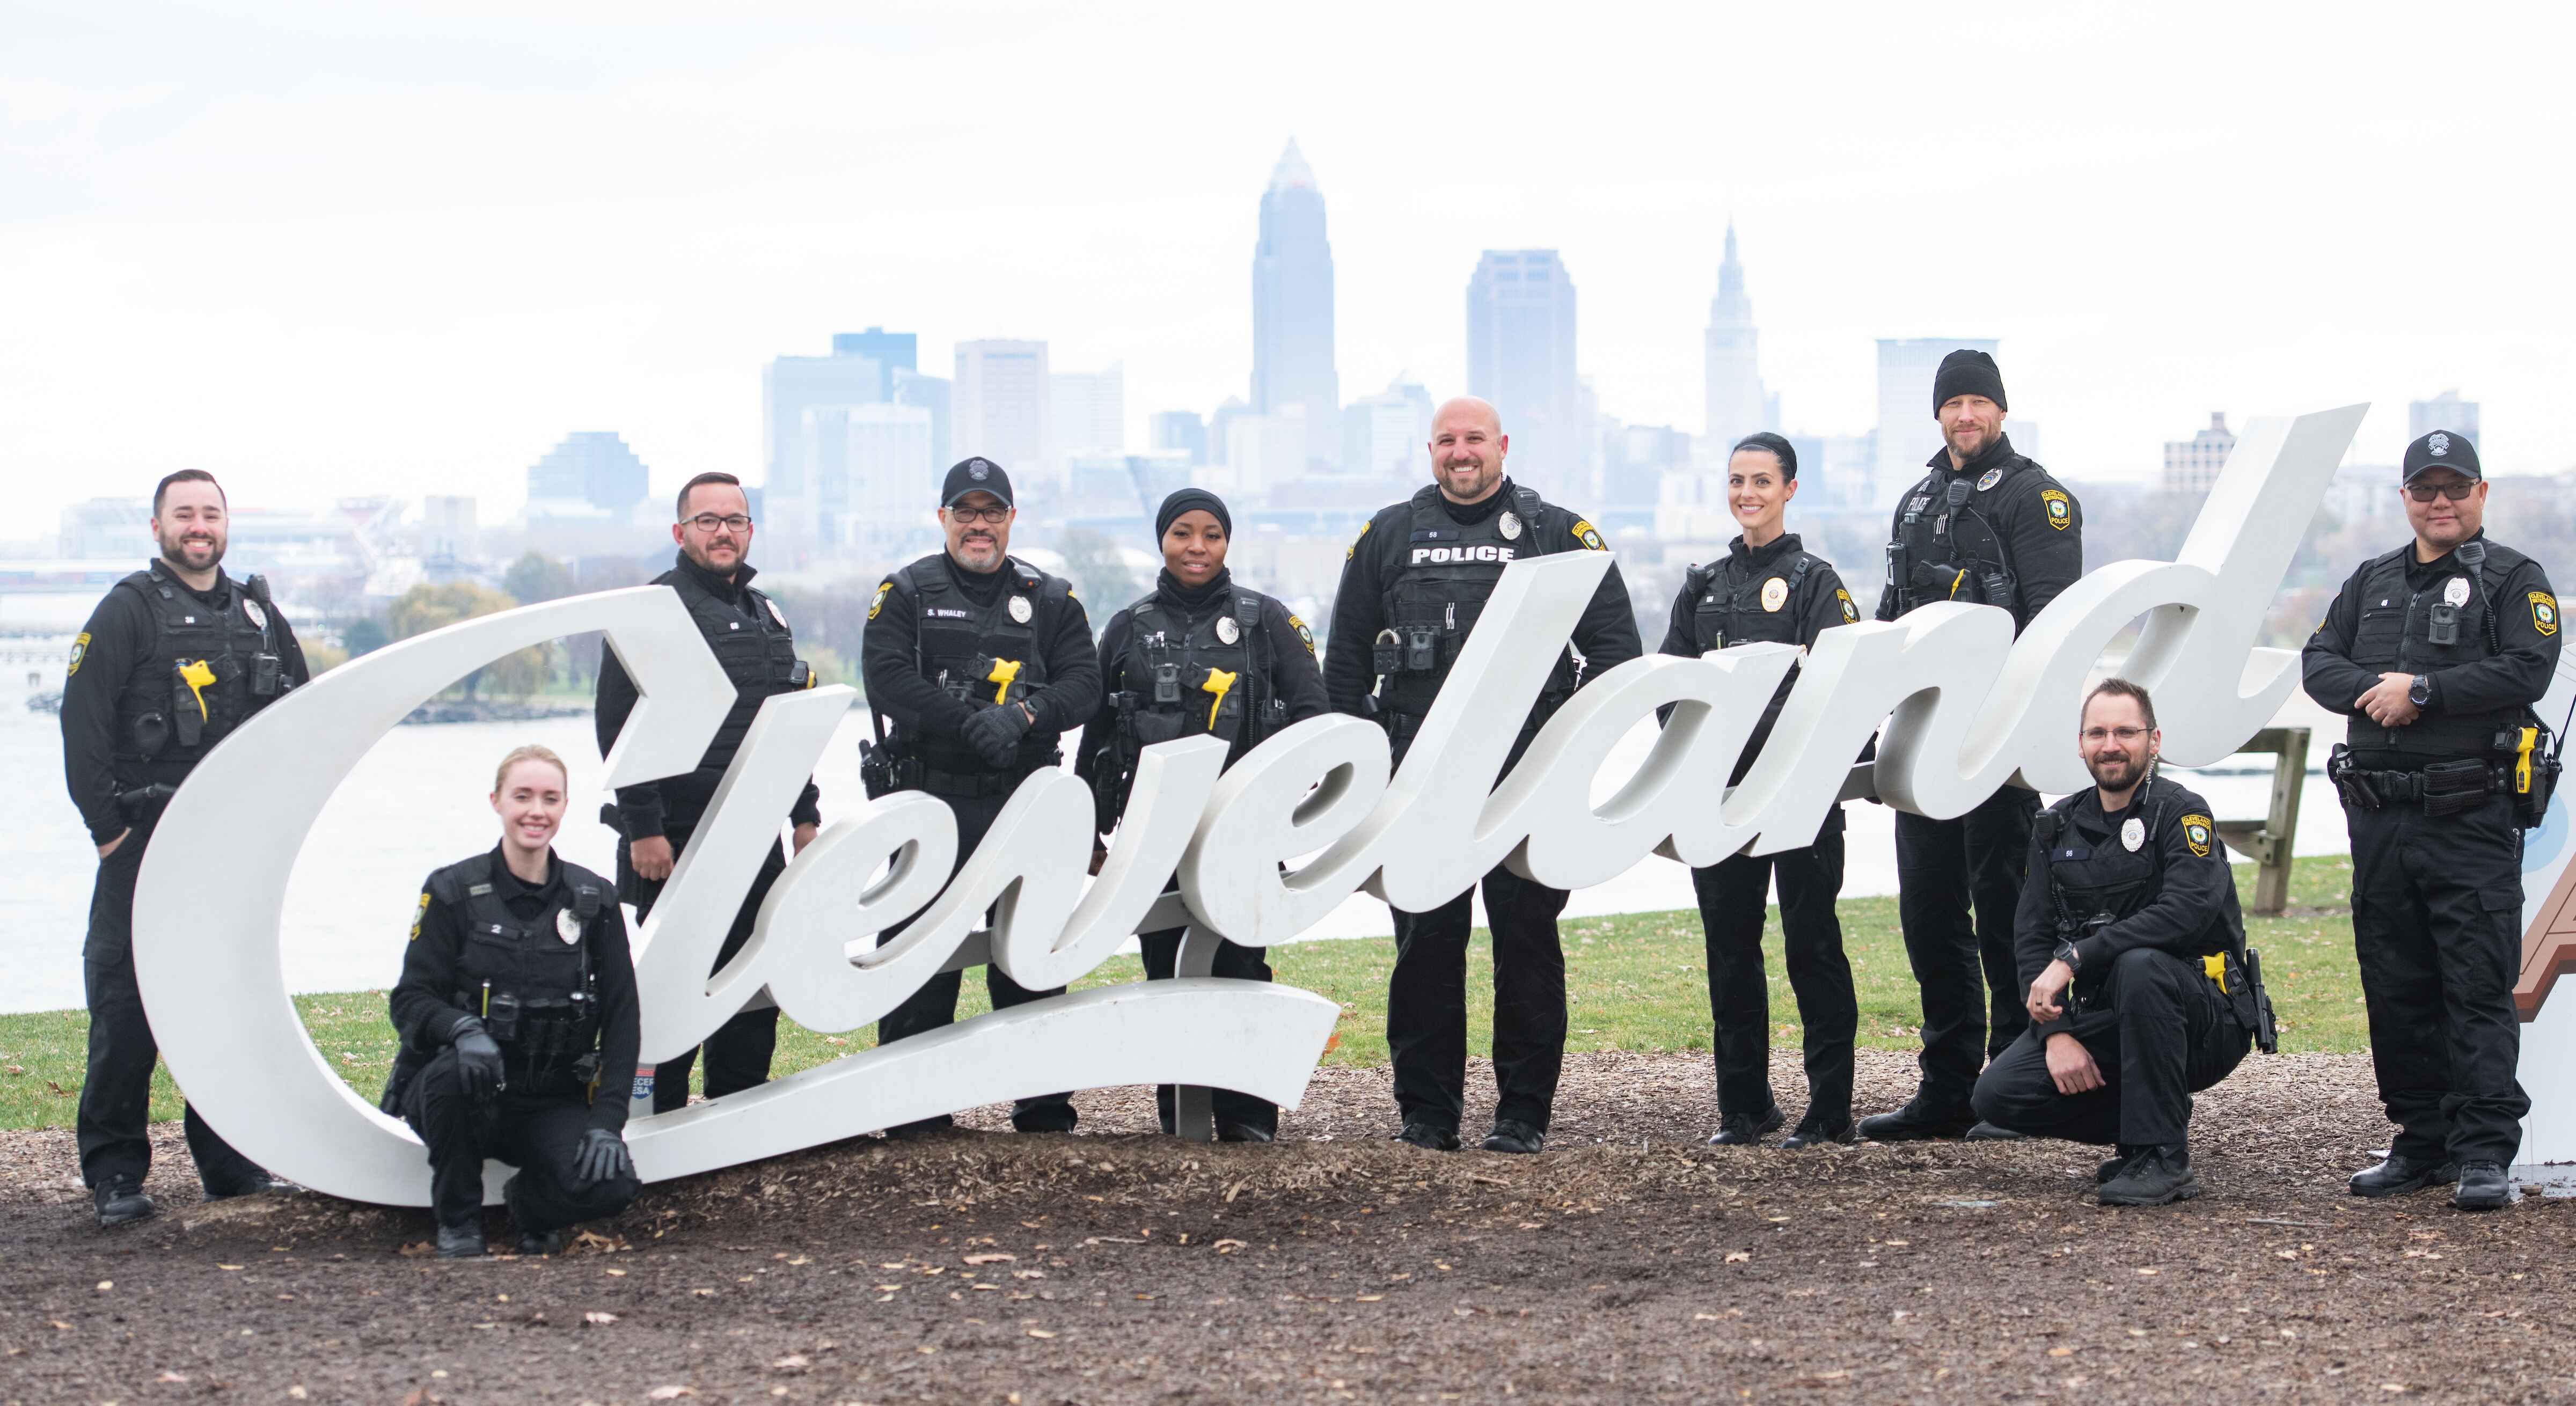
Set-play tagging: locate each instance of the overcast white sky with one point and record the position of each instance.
(336, 248)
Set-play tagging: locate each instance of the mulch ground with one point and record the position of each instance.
(1627, 1263)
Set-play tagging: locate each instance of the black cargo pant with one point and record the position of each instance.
(2158, 1030)
(1732, 896)
(116, 1092)
(1162, 951)
(738, 1051)
(1942, 867)
(2437, 925)
(538, 1133)
(934, 1006)
(1426, 1003)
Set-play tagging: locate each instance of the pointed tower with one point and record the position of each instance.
(1737, 405)
(1292, 309)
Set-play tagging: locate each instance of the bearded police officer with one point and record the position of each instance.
(976, 663)
(1410, 594)
(1770, 588)
(1990, 527)
(2437, 652)
(655, 820)
(1202, 655)
(519, 1024)
(2141, 989)
(176, 657)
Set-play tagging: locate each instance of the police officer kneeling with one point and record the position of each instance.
(519, 1024)
(2142, 992)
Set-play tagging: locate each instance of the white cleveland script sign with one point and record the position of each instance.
(1966, 709)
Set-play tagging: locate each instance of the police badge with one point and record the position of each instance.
(774, 612)
(258, 617)
(1775, 594)
(567, 926)
(2456, 591)
(1226, 630)
(2133, 833)
(1510, 525)
(1992, 477)
(1021, 610)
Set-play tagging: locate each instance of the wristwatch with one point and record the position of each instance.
(2066, 953)
(2421, 694)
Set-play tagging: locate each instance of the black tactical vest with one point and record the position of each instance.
(1181, 677)
(751, 640)
(1941, 552)
(2087, 878)
(1448, 572)
(1752, 611)
(166, 723)
(2407, 631)
(527, 979)
(984, 655)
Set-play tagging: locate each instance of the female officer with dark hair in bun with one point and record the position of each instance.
(1770, 588)
(1201, 654)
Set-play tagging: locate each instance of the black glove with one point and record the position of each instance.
(478, 1059)
(995, 733)
(601, 1157)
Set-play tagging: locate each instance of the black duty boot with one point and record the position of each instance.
(1242, 1132)
(541, 1242)
(2103, 1174)
(259, 1184)
(1914, 1123)
(120, 1201)
(2484, 1186)
(1988, 1132)
(461, 1242)
(1744, 1130)
(1815, 1132)
(2156, 1176)
(2401, 1174)
(1513, 1135)
(922, 1127)
(1428, 1137)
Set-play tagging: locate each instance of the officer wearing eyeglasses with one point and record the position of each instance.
(655, 820)
(2437, 652)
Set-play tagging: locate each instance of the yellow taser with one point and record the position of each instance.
(1004, 671)
(1219, 682)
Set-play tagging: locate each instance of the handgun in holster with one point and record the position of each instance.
(144, 802)
(2351, 782)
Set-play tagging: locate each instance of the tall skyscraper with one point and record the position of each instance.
(1292, 308)
(1385, 433)
(1182, 431)
(1737, 405)
(931, 393)
(2444, 412)
(1907, 433)
(2192, 465)
(1003, 405)
(891, 351)
(1088, 411)
(593, 467)
(792, 387)
(1520, 356)
(887, 456)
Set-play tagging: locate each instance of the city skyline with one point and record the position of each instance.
(580, 247)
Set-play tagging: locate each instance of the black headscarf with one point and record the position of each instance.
(1188, 500)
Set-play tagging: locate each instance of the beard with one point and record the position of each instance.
(2115, 773)
(175, 549)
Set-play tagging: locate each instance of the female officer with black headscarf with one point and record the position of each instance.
(1199, 655)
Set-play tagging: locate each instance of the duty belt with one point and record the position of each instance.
(2442, 788)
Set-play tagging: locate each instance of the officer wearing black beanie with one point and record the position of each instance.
(1200, 655)
(1990, 527)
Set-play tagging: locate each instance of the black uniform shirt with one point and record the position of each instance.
(1817, 604)
(1290, 649)
(1606, 636)
(642, 808)
(895, 685)
(2526, 617)
(2186, 906)
(2040, 524)
(120, 630)
(423, 1001)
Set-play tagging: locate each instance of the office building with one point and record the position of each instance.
(892, 352)
(1520, 356)
(1002, 405)
(930, 393)
(1088, 411)
(1180, 431)
(891, 476)
(1263, 452)
(2192, 465)
(1908, 435)
(1737, 404)
(2444, 412)
(593, 467)
(1292, 308)
(1386, 433)
(791, 389)
(1219, 420)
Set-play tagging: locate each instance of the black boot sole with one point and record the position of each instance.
(2405, 1188)
(2187, 1191)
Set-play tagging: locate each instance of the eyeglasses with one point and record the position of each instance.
(991, 515)
(2096, 736)
(2426, 493)
(709, 522)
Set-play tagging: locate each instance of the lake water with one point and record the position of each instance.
(417, 802)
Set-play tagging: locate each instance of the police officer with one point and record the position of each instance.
(2436, 653)
(655, 820)
(1411, 589)
(2141, 990)
(172, 660)
(1987, 526)
(1770, 587)
(1200, 655)
(980, 662)
(519, 1023)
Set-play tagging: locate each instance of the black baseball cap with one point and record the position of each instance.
(2442, 449)
(975, 475)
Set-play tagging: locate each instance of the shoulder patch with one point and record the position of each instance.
(2198, 831)
(1584, 534)
(2544, 617)
(80, 651)
(1303, 633)
(1353, 549)
(1843, 598)
(2061, 511)
(419, 914)
(878, 603)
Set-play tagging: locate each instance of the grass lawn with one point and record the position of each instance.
(1634, 982)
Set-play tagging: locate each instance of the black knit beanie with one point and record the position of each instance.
(1965, 372)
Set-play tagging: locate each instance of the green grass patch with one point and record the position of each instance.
(1635, 982)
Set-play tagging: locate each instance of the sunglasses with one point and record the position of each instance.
(2427, 492)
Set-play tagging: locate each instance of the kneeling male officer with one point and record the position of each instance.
(516, 1009)
(981, 662)
(2142, 992)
